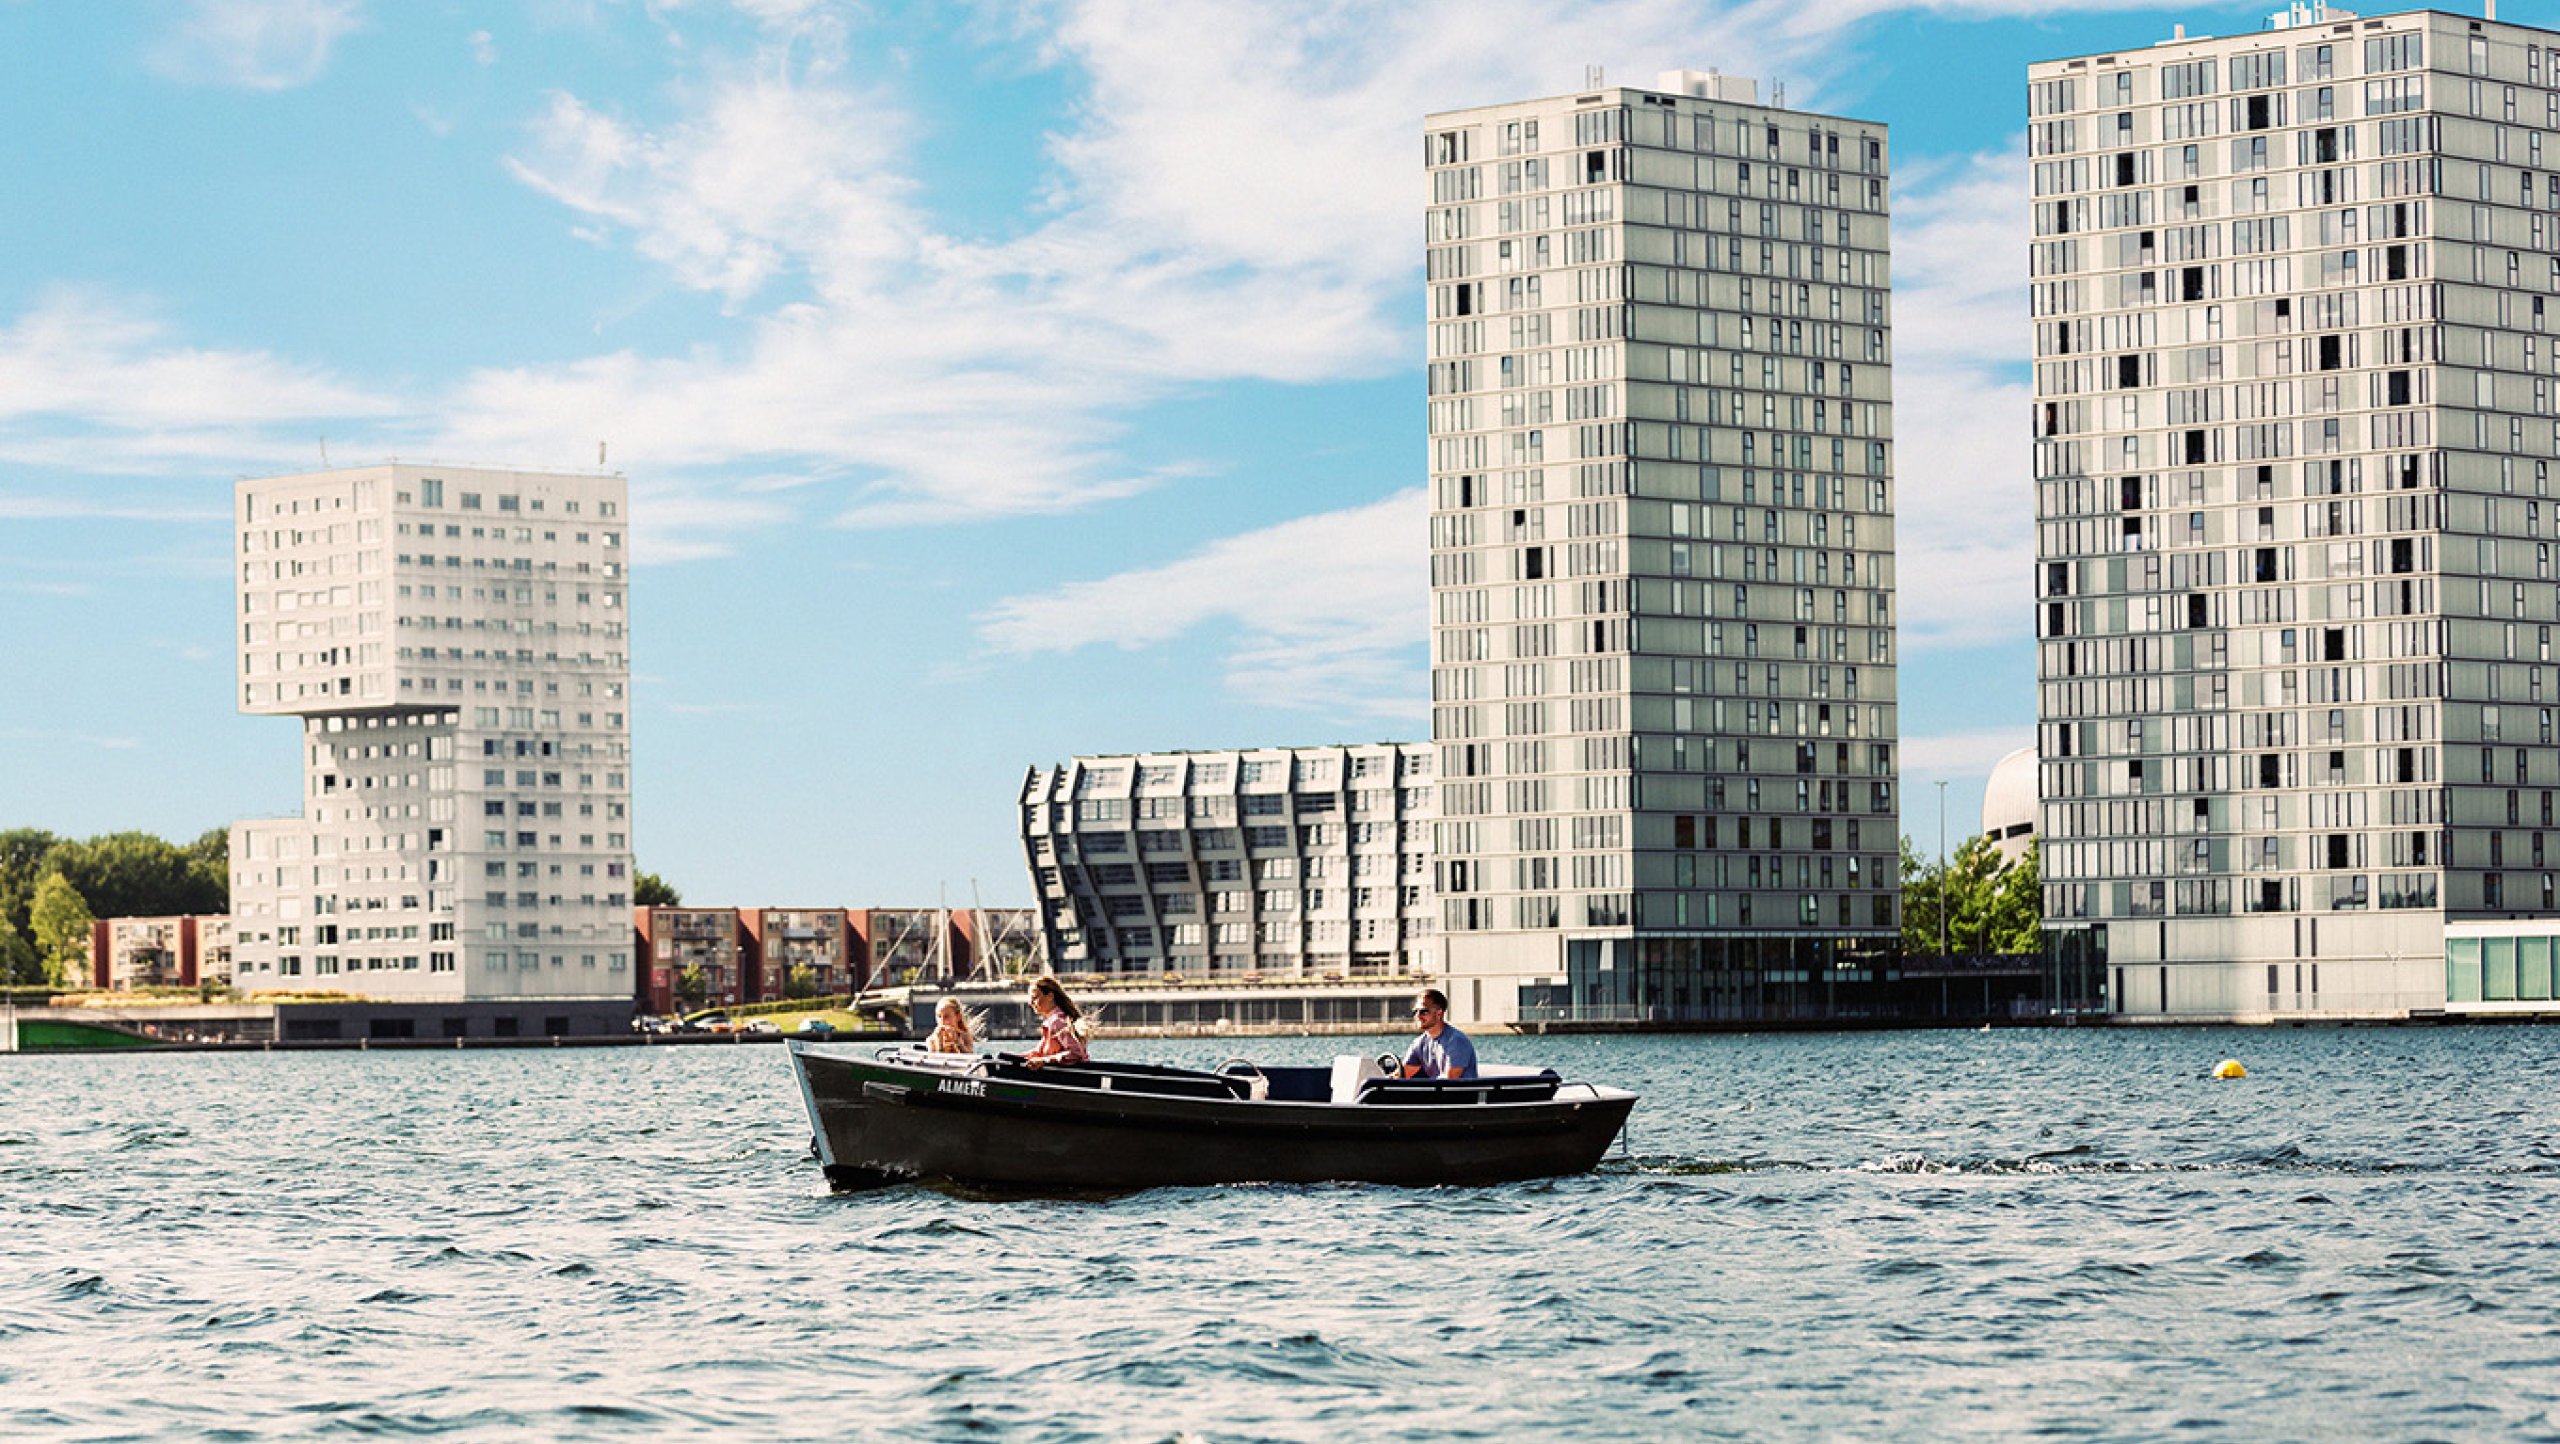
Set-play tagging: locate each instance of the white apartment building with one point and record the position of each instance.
(2295, 427)
(1662, 554)
(1302, 862)
(455, 642)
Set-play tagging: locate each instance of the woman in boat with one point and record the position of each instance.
(1060, 1039)
(952, 1031)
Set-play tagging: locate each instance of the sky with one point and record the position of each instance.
(997, 383)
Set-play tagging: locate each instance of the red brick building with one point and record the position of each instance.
(179, 952)
(747, 955)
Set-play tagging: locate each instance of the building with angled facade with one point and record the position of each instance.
(2295, 429)
(1306, 862)
(453, 645)
(1662, 668)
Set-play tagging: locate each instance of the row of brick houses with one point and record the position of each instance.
(683, 957)
(726, 957)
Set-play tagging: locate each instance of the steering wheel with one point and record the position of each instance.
(1393, 1064)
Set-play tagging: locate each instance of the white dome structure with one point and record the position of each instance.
(2009, 805)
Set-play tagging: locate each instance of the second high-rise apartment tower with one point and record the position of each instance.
(2295, 431)
(455, 644)
(1661, 554)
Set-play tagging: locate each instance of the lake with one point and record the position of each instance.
(2015, 1234)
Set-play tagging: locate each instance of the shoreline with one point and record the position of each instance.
(1193, 1035)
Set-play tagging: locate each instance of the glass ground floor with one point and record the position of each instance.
(1657, 981)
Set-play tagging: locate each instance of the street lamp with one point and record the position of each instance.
(1942, 867)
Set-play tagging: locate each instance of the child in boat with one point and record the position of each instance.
(952, 1029)
(1061, 1040)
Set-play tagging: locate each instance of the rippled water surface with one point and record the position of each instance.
(2010, 1234)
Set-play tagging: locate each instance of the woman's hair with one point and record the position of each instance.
(1058, 995)
(947, 1005)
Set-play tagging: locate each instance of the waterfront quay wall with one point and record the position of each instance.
(333, 1021)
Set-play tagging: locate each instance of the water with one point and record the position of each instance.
(2015, 1234)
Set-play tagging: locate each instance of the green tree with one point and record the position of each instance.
(1921, 893)
(800, 982)
(62, 920)
(692, 987)
(2018, 907)
(18, 961)
(209, 864)
(649, 890)
(137, 875)
(1988, 906)
(22, 857)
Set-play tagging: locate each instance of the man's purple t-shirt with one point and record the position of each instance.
(1435, 1056)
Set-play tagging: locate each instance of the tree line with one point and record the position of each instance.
(52, 888)
(1977, 903)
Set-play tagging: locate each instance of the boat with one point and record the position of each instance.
(889, 1114)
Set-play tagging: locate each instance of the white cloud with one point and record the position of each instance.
(677, 524)
(1233, 200)
(254, 44)
(1959, 755)
(85, 739)
(484, 48)
(91, 383)
(1232, 197)
(1965, 513)
(1965, 522)
(1326, 610)
(67, 508)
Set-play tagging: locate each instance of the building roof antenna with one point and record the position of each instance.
(1591, 77)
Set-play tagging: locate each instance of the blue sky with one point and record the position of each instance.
(996, 383)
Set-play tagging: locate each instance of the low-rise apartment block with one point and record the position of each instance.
(178, 952)
(724, 957)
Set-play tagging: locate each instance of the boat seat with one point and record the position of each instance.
(1148, 1078)
(1438, 1092)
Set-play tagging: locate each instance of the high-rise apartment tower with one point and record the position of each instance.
(455, 643)
(2295, 430)
(1661, 554)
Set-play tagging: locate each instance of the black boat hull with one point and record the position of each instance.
(880, 1121)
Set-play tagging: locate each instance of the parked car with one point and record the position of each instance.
(761, 1026)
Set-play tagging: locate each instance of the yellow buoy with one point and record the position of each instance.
(2230, 1068)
